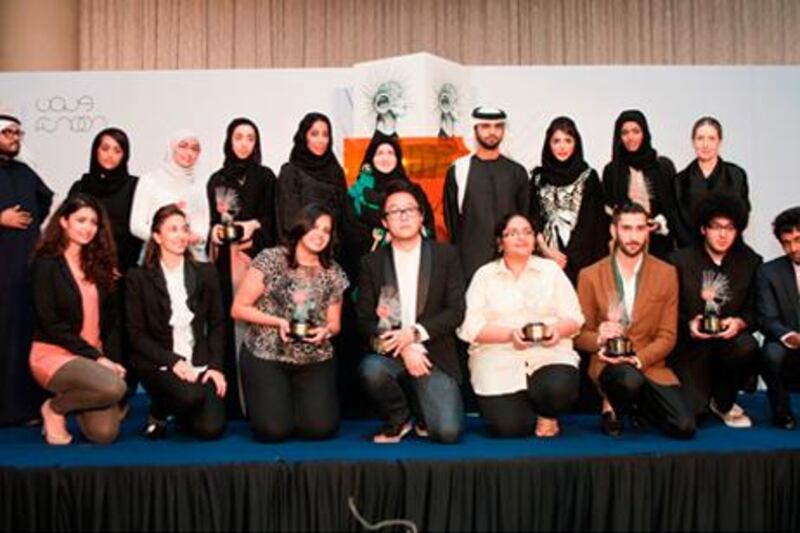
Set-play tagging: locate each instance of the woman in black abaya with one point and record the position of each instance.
(312, 174)
(637, 173)
(242, 194)
(567, 202)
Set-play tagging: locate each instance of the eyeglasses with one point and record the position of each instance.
(517, 233)
(721, 227)
(10, 133)
(397, 214)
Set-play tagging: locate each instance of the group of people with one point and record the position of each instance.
(226, 300)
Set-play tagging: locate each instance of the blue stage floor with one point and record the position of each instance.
(580, 437)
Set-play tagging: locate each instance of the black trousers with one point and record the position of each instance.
(285, 400)
(196, 405)
(664, 406)
(715, 369)
(552, 390)
(774, 359)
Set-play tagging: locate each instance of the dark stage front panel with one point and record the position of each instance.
(708, 492)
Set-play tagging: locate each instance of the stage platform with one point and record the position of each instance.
(723, 479)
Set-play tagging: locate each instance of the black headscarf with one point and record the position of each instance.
(398, 172)
(234, 168)
(325, 167)
(100, 182)
(645, 156)
(560, 173)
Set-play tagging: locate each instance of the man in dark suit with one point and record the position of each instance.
(411, 300)
(778, 305)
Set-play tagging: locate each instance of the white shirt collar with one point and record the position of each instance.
(178, 270)
(636, 268)
(532, 265)
(407, 253)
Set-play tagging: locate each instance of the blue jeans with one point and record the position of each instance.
(436, 395)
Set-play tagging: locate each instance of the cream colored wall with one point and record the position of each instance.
(39, 35)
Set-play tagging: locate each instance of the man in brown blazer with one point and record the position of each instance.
(642, 292)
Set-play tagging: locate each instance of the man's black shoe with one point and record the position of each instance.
(610, 424)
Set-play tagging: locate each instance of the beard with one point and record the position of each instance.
(10, 153)
(489, 145)
(632, 249)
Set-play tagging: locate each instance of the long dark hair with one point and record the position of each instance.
(303, 223)
(98, 257)
(152, 251)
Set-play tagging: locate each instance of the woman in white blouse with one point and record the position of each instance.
(521, 384)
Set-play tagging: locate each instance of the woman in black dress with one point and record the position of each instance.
(706, 175)
(637, 173)
(241, 196)
(110, 183)
(567, 202)
(312, 174)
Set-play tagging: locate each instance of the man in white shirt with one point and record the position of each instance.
(418, 365)
(778, 306)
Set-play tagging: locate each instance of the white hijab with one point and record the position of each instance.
(172, 183)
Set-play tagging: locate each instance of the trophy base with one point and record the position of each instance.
(711, 325)
(230, 233)
(299, 331)
(535, 332)
(619, 347)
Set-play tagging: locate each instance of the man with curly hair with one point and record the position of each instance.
(717, 279)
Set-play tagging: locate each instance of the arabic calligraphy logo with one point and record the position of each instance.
(61, 113)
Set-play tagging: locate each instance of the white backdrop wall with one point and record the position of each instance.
(759, 108)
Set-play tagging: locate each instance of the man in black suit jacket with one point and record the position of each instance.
(411, 300)
(778, 304)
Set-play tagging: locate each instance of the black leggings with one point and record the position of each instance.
(285, 400)
(194, 404)
(551, 391)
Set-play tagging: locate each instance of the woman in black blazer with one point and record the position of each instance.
(177, 330)
(76, 336)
